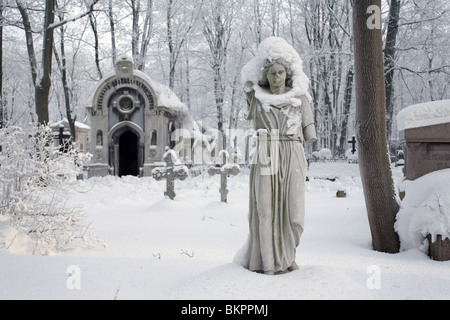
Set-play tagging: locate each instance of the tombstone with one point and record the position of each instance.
(224, 169)
(170, 172)
(353, 143)
(425, 136)
(341, 193)
(64, 140)
(81, 131)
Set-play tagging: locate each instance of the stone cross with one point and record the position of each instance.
(61, 139)
(224, 170)
(353, 142)
(170, 172)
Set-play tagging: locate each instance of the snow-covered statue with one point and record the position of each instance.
(278, 103)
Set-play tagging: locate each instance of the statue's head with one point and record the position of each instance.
(273, 67)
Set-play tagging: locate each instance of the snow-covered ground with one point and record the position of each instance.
(184, 249)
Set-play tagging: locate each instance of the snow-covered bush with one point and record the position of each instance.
(322, 154)
(35, 185)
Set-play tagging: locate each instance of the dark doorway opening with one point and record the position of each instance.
(128, 154)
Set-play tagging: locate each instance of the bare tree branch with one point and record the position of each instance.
(75, 18)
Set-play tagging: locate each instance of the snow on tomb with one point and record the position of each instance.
(170, 172)
(224, 169)
(424, 131)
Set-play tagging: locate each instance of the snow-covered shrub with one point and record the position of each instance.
(35, 184)
(322, 154)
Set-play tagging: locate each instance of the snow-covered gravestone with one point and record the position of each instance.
(425, 132)
(224, 169)
(170, 172)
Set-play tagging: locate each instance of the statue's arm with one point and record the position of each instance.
(309, 128)
(251, 99)
(309, 133)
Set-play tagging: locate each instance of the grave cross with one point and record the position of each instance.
(353, 142)
(61, 136)
(170, 172)
(224, 170)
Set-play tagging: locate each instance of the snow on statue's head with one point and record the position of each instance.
(276, 50)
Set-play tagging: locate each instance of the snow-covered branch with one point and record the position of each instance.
(74, 18)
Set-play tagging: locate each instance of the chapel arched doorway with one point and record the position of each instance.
(126, 145)
(128, 154)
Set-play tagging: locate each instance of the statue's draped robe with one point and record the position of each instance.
(277, 183)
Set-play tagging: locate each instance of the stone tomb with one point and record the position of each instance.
(133, 120)
(427, 149)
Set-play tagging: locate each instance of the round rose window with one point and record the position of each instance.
(126, 104)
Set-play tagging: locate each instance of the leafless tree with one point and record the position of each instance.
(141, 35)
(373, 154)
(42, 79)
(389, 62)
(185, 14)
(217, 23)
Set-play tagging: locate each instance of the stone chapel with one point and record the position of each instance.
(132, 122)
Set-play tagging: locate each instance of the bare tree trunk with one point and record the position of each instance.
(113, 32)
(42, 88)
(389, 62)
(146, 35)
(135, 9)
(217, 30)
(188, 78)
(346, 109)
(258, 23)
(175, 22)
(373, 155)
(233, 107)
(29, 39)
(172, 61)
(2, 113)
(140, 39)
(93, 22)
(62, 64)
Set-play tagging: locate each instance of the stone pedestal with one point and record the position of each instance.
(440, 249)
(341, 194)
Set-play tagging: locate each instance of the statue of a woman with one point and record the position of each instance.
(278, 102)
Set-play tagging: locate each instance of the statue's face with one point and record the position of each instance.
(276, 75)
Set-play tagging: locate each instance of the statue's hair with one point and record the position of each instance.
(264, 82)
